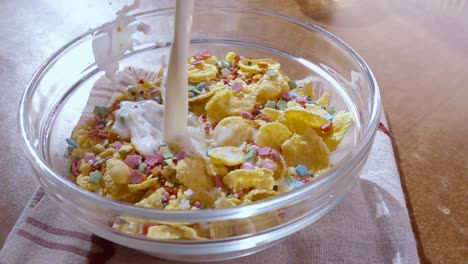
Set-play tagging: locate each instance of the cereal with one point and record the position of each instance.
(273, 135)
(240, 179)
(261, 134)
(229, 156)
(308, 149)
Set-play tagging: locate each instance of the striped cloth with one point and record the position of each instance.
(370, 225)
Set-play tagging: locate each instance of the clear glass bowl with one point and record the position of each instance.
(58, 92)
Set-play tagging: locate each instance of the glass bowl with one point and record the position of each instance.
(58, 93)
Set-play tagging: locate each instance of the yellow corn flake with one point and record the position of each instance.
(198, 108)
(256, 195)
(216, 169)
(273, 114)
(190, 233)
(202, 72)
(324, 100)
(117, 191)
(266, 220)
(231, 57)
(211, 60)
(293, 104)
(85, 183)
(143, 185)
(341, 123)
(191, 172)
(225, 103)
(233, 131)
(107, 153)
(221, 229)
(118, 170)
(273, 135)
(164, 232)
(307, 149)
(317, 110)
(231, 228)
(281, 169)
(204, 97)
(229, 156)
(206, 198)
(223, 202)
(270, 87)
(154, 200)
(98, 148)
(307, 90)
(253, 66)
(85, 168)
(299, 120)
(240, 179)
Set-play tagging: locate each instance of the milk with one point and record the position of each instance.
(176, 99)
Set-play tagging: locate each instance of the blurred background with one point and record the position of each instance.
(418, 50)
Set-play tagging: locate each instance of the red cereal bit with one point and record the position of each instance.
(133, 161)
(93, 133)
(113, 138)
(246, 115)
(237, 86)
(301, 99)
(154, 159)
(264, 151)
(197, 204)
(275, 155)
(326, 127)
(141, 81)
(74, 168)
(206, 53)
(267, 164)
(286, 96)
(136, 177)
(218, 181)
(99, 126)
(199, 56)
(197, 62)
(102, 135)
(144, 229)
(180, 156)
(248, 166)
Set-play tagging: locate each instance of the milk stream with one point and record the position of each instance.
(146, 123)
(176, 100)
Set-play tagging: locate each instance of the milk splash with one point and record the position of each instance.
(115, 38)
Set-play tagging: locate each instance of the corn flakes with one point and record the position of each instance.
(261, 134)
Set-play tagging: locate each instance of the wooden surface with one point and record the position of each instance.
(418, 50)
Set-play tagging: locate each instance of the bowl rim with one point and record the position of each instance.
(206, 214)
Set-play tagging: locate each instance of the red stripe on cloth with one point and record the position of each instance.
(57, 231)
(105, 254)
(37, 197)
(385, 130)
(53, 245)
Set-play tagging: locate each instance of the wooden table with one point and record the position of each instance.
(418, 49)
